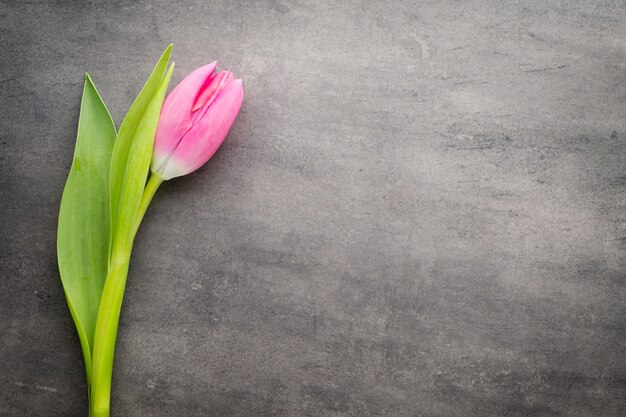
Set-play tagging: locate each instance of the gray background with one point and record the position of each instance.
(420, 210)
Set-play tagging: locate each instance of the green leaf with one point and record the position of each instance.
(83, 233)
(137, 168)
(123, 173)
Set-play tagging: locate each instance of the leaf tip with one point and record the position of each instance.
(89, 82)
(168, 75)
(168, 51)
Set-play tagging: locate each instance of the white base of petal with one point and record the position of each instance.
(167, 167)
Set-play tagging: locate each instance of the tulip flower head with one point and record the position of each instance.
(195, 119)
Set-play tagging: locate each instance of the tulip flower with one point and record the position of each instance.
(106, 194)
(195, 119)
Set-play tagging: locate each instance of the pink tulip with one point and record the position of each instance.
(195, 119)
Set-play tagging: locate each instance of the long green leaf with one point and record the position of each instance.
(83, 233)
(120, 162)
(131, 191)
(137, 168)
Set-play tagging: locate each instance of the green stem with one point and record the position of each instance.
(153, 184)
(106, 332)
(109, 312)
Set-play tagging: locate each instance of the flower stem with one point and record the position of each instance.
(109, 312)
(106, 332)
(151, 187)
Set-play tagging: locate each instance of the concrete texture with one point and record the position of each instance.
(419, 212)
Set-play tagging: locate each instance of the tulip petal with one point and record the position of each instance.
(176, 113)
(206, 97)
(206, 136)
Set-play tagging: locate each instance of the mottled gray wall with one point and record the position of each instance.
(420, 211)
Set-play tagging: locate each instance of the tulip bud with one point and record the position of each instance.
(195, 119)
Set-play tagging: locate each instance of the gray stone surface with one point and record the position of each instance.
(420, 210)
